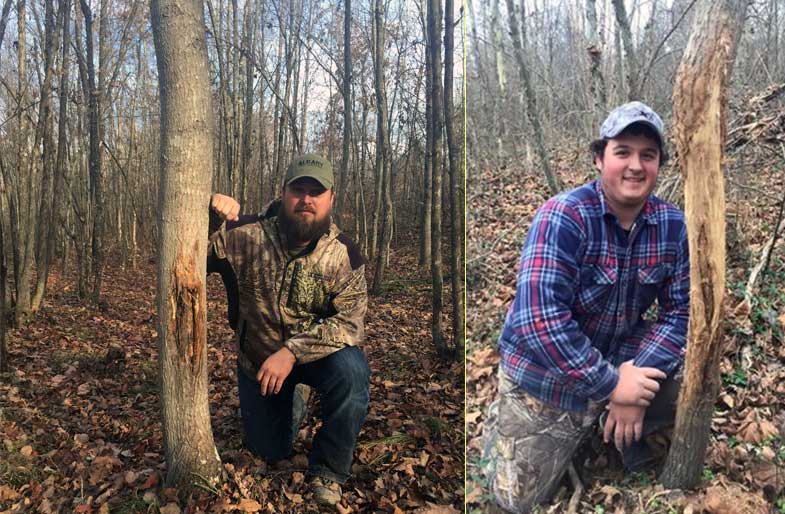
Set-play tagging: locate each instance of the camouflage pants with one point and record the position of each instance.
(528, 445)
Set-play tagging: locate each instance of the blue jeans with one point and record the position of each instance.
(341, 380)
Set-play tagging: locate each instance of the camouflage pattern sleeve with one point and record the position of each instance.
(319, 337)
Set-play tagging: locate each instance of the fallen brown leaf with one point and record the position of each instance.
(249, 505)
(732, 499)
(437, 509)
(170, 508)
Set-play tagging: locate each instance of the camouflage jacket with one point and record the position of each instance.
(313, 303)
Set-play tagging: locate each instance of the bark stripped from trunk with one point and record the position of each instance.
(187, 324)
(700, 107)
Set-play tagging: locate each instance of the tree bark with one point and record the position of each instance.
(629, 49)
(25, 171)
(93, 97)
(4, 19)
(248, 44)
(3, 347)
(532, 114)
(700, 111)
(434, 38)
(427, 188)
(44, 133)
(498, 45)
(185, 159)
(456, 183)
(347, 106)
(599, 94)
(383, 156)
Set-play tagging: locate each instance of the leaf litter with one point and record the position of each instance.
(80, 412)
(744, 469)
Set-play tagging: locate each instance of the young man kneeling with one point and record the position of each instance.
(574, 343)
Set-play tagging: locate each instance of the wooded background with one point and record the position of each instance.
(582, 58)
(86, 395)
(550, 72)
(352, 81)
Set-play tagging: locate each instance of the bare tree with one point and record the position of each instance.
(92, 94)
(3, 274)
(347, 104)
(456, 183)
(597, 87)
(427, 190)
(383, 164)
(519, 42)
(437, 127)
(44, 134)
(185, 160)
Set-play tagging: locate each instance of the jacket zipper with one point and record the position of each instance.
(280, 295)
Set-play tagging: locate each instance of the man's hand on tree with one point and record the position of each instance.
(637, 386)
(274, 371)
(225, 206)
(624, 424)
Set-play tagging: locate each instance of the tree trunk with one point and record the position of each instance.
(44, 131)
(427, 192)
(378, 186)
(347, 106)
(93, 97)
(434, 38)
(700, 110)
(4, 19)
(629, 49)
(3, 347)
(599, 96)
(245, 156)
(361, 175)
(518, 43)
(25, 170)
(185, 159)
(498, 45)
(456, 181)
(383, 153)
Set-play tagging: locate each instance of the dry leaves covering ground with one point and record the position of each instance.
(745, 465)
(80, 418)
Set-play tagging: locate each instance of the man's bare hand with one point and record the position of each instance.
(637, 386)
(624, 424)
(225, 206)
(274, 371)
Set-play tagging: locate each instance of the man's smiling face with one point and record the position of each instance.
(628, 170)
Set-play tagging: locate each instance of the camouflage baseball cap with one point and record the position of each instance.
(313, 166)
(625, 115)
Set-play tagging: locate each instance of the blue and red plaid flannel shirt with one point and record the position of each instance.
(583, 286)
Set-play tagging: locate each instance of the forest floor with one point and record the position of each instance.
(81, 432)
(744, 469)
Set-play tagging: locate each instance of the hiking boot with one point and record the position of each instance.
(325, 491)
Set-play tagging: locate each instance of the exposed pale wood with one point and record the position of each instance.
(700, 112)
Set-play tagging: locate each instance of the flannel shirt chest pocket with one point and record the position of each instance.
(650, 281)
(598, 282)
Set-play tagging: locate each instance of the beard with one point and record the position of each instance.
(300, 230)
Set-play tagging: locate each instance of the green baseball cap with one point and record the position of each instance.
(313, 166)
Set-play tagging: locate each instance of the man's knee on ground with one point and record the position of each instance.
(268, 450)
